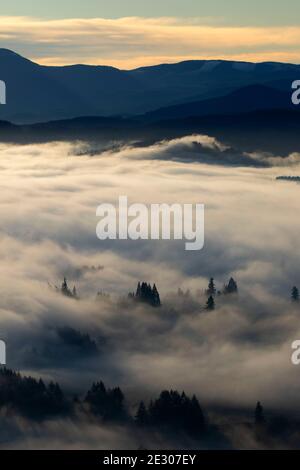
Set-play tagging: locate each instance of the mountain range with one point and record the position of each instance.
(37, 93)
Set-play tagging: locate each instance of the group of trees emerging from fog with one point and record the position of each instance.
(149, 295)
(171, 412)
(31, 397)
(146, 294)
(65, 290)
(106, 403)
(212, 292)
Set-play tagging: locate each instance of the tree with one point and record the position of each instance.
(231, 287)
(147, 294)
(138, 290)
(64, 287)
(211, 287)
(295, 294)
(65, 290)
(196, 420)
(142, 416)
(31, 397)
(106, 403)
(210, 304)
(259, 414)
(177, 412)
(156, 297)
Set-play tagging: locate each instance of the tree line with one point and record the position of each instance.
(171, 411)
(147, 294)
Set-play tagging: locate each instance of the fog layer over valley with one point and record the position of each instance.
(230, 357)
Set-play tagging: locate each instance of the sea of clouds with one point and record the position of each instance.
(234, 356)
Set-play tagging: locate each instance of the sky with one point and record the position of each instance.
(236, 12)
(138, 32)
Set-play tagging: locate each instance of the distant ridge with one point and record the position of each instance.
(37, 93)
(275, 130)
(250, 98)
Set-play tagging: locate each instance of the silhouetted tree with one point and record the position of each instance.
(64, 287)
(66, 291)
(56, 400)
(138, 291)
(142, 416)
(295, 294)
(155, 297)
(231, 287)
(259, 414)
(210, 304)
(211, 287)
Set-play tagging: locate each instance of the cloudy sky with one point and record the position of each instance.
(135, 33)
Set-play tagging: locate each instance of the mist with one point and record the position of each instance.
(233, 356)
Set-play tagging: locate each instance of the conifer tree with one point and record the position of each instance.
(145, 293)
(138, 290)
(156, 297)
(64, 286)
(142, 416)
(211, 287)
(210, 304)
(231, 287)
(295, 294)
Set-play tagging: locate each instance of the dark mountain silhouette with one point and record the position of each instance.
(38, 93)
(243, 100)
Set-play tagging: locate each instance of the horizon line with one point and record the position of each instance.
(158, 64)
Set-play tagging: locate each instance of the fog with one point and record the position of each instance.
(233, 356)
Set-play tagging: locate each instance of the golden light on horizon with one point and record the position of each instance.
(133, 42)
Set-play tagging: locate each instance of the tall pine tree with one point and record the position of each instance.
(211, 287)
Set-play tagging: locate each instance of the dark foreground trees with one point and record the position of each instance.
(34, 399)
(174, 415)
(172, 411)
(106, 403)
(31, 397)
